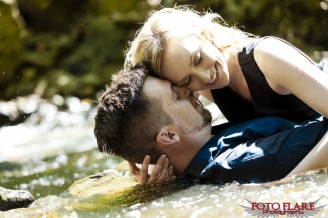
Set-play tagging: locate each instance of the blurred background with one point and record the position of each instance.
(72, 47)
(57, 55)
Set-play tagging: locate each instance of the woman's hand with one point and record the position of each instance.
(161, 172)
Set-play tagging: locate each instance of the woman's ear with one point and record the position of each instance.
(167, 136)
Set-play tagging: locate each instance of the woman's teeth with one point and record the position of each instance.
(214, 76)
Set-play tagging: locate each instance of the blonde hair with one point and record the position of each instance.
(150, 41)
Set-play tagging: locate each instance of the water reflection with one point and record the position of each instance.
(117, 195)
(53, 175)
(53, 154)
(52, 148)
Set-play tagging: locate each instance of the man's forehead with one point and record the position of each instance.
(153, 85)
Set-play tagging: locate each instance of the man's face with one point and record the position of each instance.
(179, 103)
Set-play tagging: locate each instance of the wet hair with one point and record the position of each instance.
(126, 120)
(149, 44)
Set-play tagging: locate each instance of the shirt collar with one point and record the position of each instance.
(202, 158)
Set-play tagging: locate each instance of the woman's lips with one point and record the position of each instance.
(214, 76)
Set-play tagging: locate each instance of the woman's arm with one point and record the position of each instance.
(288, 71)
(316, 158)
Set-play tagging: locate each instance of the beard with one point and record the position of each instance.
(207, 117)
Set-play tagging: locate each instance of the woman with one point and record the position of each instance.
(246, 76)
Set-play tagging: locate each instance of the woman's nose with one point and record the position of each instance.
(203, 76)
(199, 80)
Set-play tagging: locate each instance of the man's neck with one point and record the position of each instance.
(182, 155)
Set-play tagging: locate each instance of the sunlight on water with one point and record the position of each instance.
(179, 199)
(47, 130)
(59, 163)
(225, 201)
(51, 149)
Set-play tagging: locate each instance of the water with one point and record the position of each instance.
(54, 156)
(51, 149)
(119, 196)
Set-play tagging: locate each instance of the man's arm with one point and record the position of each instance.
(316, 158)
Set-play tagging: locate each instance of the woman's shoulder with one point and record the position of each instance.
(265, 41)
(253, 43)
(269, 44)
(274, 46)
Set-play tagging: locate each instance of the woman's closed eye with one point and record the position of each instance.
(198, 58)
(185, 82)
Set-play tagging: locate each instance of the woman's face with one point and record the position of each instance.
(195, 63)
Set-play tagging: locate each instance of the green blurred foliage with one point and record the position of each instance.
(72, 47)
(301, 22)
(10, 44)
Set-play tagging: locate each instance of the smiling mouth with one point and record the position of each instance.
(214, 75)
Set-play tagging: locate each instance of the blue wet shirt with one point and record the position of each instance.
(259, 150)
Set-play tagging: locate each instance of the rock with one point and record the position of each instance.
(11, 199)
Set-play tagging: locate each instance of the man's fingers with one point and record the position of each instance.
(161, 172)
(164, 173)
(170, 174)
(133, 168)
(157, 169)
(144, 170)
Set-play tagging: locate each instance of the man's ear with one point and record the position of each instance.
(167, 136)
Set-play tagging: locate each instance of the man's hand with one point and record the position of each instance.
(161, 172)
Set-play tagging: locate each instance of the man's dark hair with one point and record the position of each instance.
(126, 121)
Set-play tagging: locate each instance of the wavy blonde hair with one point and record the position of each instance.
(149, 43)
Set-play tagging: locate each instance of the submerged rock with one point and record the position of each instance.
(114, 193)
(11, 199)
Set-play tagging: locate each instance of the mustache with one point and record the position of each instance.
(193, 98)
(195, 101)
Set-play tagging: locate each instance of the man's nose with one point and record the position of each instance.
(182, 92)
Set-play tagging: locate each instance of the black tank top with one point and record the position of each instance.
(265, 101)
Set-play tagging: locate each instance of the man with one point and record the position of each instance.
(141, 115)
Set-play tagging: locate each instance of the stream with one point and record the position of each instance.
(53, 154)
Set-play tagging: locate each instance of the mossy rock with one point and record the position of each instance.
(11, 199)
